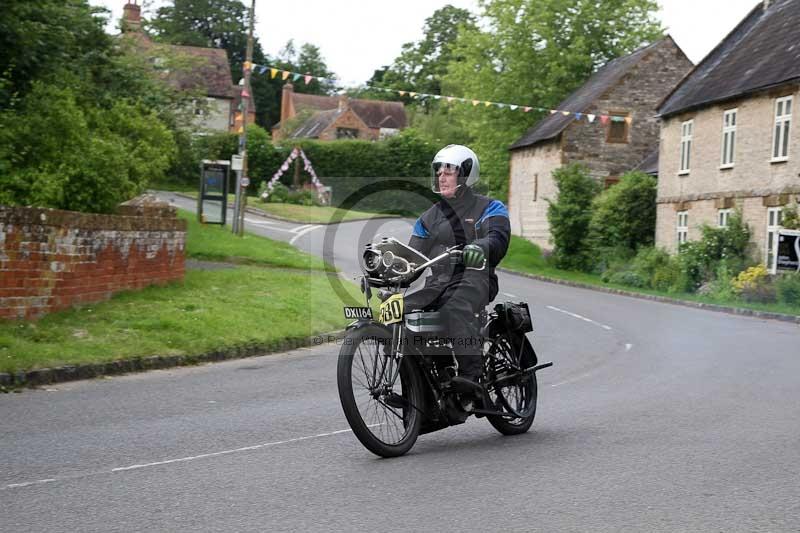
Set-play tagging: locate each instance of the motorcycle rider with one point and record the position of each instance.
(482, 226)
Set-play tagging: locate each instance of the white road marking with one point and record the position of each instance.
(571, 380)
(29, 483)
(628, 347)
(298, 229)
(270, 225)
(510, 295)
(301, 233)
(579, 317)
(180, 460)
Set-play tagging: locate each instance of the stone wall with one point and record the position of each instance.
(637, 95)
(531, 185)
(51, 259)
(753, 183)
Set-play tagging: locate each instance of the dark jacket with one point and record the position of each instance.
(470, 218)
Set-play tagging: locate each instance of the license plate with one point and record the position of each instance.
(392, 310)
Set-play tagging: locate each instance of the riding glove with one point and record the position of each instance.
(473, 256)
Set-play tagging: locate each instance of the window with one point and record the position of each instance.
(686, 145)
(728, 137)
(346, 133)
(683, 227)
(617, 131)
(723, 216)
(783, 120)
(774, 220)
(610, 181)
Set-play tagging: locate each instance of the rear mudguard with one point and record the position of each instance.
(518, 340)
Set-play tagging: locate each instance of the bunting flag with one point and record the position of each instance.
(245, 94)
(295, 153)
(577, 115)
(247, 65)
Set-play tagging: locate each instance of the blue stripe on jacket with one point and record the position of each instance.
(494, 209)
(420, 230)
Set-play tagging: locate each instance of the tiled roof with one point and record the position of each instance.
(583, 97)
(761, 52)
(209, 70)
(316, 124)
(374, 113)
(649, 164)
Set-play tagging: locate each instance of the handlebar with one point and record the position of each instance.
(454, 251)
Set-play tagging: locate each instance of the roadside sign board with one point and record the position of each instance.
(237, 162)
(789, 250)
(245, 181)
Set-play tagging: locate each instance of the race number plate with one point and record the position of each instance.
(392, 309)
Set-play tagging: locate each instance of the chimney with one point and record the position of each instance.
(287, 106)
(131, 17)
(344, 102)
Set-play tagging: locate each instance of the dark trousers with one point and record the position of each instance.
(458, 301)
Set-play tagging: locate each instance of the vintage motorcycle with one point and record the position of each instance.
(394, 373)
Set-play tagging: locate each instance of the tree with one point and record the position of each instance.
(535, 52)
(624, 215)
(421, 66)
(569, 216)
(47, 39)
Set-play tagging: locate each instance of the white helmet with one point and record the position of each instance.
(461, 157)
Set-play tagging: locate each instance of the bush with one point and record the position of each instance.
(624, 215)
(699, 260)
(569, 216)
(788, 288)
(753, 285)
(62, 155)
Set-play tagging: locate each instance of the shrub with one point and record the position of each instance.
(628, 277)
(624, 215)
(569, 216)
(788, 288)
(753, 285)
(279, 194)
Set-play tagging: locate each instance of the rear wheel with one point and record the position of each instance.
(384, 415)
(513, 395)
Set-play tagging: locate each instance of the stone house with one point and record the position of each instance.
(336, 117)
(205, 72)
(629, 87)
(727, 138)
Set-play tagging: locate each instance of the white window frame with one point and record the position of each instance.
(781, 131)
(687, 129)
(774, 220)
(728, 149)
(682, 228)
(724, 217)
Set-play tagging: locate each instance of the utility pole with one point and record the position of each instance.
(241, 198)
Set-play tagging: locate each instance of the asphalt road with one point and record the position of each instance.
(655, 417)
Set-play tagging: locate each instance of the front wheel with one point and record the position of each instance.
(515, 396)
(384, 413)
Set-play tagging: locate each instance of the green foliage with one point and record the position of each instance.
(791, 218)
(699, 260)
(624, 215)
(788, 287)
(57, 154)
(569, 216)
(422, 65)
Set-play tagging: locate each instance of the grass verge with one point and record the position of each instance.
(524, 256)
(217, 243)
(209, 310)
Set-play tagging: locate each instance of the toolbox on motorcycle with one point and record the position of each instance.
(515, 316)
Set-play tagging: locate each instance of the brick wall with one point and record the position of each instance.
(51, 259)
(753, 183)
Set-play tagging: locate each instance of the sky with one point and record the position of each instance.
(356, 37)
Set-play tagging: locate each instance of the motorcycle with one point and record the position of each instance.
(395, 373)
